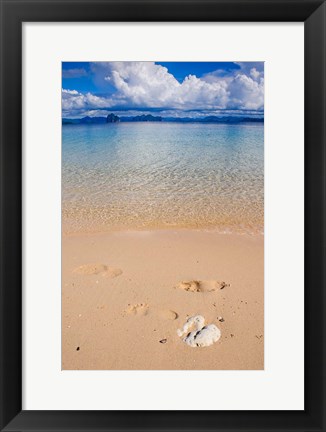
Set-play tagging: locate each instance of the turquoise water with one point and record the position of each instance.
(161, 175)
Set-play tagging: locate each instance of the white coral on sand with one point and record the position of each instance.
(201, 335)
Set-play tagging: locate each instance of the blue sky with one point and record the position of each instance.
(171, 88)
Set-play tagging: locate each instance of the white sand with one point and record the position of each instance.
(125, 295)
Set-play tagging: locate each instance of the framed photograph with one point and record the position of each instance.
(162, 196)
(163, 215)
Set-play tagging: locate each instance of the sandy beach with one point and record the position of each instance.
(162, 215)
(125, 294)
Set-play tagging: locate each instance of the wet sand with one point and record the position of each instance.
(125, 294)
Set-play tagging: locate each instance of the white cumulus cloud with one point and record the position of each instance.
(146, 84)
(73, 100)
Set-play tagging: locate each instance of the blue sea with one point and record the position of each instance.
(163, 175)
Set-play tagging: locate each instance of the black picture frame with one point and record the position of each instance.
(13, 14)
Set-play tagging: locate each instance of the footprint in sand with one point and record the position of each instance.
(140, 309)
(168, 315)
(98, 269)
(201, 286)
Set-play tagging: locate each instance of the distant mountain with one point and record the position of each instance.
(214, 119)
(146, 118)
(231, 119)
(85, 120)
(112, 118)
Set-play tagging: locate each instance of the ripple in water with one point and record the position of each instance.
(149, 175)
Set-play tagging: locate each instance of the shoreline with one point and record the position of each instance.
(121, 297)
(216, 230)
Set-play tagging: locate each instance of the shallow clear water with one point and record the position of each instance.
(160, 175)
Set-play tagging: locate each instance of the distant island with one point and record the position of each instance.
(112, 118)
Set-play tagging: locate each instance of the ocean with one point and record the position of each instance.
(163, 175)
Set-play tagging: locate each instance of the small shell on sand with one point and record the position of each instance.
(201, 336)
